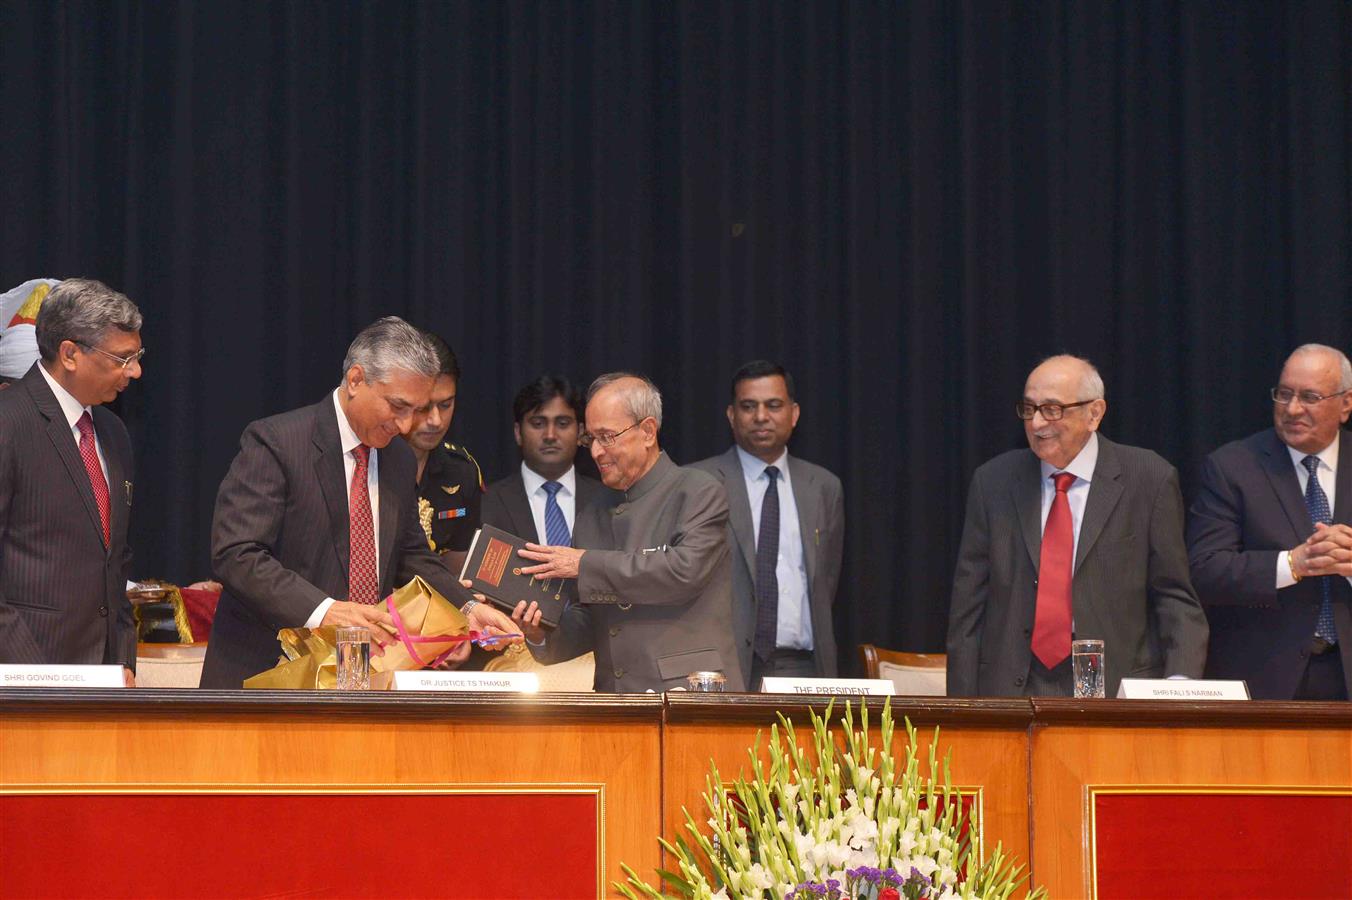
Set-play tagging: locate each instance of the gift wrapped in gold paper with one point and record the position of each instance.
(428, 626)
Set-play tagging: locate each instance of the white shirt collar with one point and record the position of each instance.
(71, 407)
(346, 436)
(1328, 457)
(1082, 466)
(534, 481)
(753, 467)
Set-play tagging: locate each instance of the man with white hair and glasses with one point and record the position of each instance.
(1270, 541)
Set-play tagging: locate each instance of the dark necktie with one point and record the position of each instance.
(89, 454)
(1051, 622)
(1317, 502)
(556, 526)
(767, 558)
(363, 585)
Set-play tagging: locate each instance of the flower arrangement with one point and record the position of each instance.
(818, 822)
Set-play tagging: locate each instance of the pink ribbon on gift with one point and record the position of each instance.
(483, 639)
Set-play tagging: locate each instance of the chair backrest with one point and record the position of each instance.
(914, 674)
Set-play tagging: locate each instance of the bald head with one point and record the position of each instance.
(1304, 423)
(1074, 385)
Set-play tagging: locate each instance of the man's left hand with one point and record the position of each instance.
(554, 562)
(128, 677)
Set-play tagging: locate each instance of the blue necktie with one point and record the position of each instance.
(1318, 504)
(767, 560)
(556, 526)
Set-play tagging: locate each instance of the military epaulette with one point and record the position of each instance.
(458, 450)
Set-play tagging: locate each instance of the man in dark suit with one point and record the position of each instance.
(1077, 535)
(651, 564)
(66, 486)
(783, 580)
(540, 502)
(1271, 544)
(317, 519)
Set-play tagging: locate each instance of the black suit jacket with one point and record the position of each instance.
(1130, 587)
(63, 596)
(506, 506)
(1248, 510)
(279, 537)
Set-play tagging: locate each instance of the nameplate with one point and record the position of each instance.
(1181, 689)
(61, 676)
(509, 682)
(851, 687)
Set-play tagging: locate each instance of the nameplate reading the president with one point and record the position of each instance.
(1181, 689)
(61, 676)
(507, 682)
(496, 556)
(849, 687)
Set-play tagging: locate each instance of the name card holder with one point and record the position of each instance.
(504, 682)
(851, 687)
(1181, 689)
(61, 676)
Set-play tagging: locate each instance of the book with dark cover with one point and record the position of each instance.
(494, 569)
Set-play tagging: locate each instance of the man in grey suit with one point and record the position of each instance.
(1076, 536)
(317, 520)
(66, 486)
(783, 580)
(651, 566)
(540, 502)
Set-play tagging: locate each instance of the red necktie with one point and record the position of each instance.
(1051, 623)
(89, 453)
(362, 583)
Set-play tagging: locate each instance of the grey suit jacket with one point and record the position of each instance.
(821, 521)
(279, 537)
(63, 596)
(506, 506)
(1130, 587)
(655, 585)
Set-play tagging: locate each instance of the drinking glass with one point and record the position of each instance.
(1087, 656)
(354, 659)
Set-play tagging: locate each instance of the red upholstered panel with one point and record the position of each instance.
(1215, 846)
(201, 609)
(290, 845)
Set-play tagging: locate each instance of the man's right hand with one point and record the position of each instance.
(346, 614)
(1326, 552)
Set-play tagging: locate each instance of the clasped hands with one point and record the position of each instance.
(377, 620)
(1326, 552)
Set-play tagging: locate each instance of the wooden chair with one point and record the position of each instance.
(914, 674)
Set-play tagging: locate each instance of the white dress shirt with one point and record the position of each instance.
(534, 483)
(1082, 467)
(348, 439)
(794, 629)
(1327, 473)
(73, 410)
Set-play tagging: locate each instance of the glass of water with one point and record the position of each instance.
(708, 682)
(1087, 657)
(354, 659)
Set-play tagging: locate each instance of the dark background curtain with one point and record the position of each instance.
(907, 204)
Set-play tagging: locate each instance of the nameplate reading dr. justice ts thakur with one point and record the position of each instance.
(509, 682)
(849, 687)
(61, 676)
(1181, 689)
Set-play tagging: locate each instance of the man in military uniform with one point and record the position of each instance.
(450, 484)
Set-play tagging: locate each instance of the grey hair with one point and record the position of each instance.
(1091, 383)
(82, 310)
(643, 400)
(388, 345)
(1344, 367)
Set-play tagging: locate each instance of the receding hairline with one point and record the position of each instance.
(1091, 382)
(1339, 357)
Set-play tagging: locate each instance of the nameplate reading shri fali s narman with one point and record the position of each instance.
(1181, 689)
(61, 676)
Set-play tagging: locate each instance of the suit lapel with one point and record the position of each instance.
(739, 507)
(1026, 492)
(63, 441)
(518, 508)
(1342, 486)
(118, 505)
(1104, 492)
(332, 477)
(805, 496)
(389, 515)
(1282, 475)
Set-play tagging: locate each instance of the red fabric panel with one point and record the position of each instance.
(295, 845)
(1215, 846)
(201, 609)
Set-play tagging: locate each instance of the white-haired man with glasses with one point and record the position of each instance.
(1270, 541)
(66, 475)
(650, 561)
(1079, 538)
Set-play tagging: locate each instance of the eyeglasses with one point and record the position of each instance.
(122, 361)
(1283, 396)
(605, 438)
(1050, 411)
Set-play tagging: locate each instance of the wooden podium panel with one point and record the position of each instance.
(462, 750)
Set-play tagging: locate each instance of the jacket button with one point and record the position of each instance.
(1026, 631)
(619, 673)
(614, 630)
(1019, 681)
(103, 611)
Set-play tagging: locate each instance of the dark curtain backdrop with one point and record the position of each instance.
(906, 204)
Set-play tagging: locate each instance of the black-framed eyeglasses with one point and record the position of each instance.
(1283, 396)
(605, 438)
(122, 361)
(1050, 411)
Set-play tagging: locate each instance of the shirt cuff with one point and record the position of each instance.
(1284, 577)
(321, 610)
